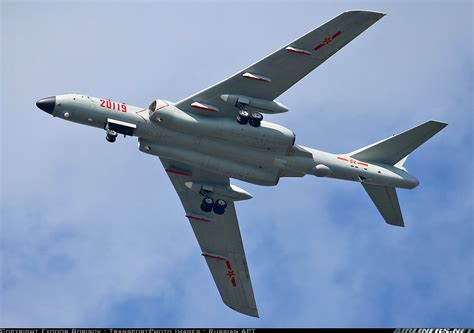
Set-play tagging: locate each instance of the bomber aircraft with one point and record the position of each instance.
(219, 133)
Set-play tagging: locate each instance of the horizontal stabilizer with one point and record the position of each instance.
(386, 200)
(395, 148)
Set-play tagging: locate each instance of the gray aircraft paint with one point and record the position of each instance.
(244, 157)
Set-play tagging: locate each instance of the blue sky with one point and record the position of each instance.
(76, 251)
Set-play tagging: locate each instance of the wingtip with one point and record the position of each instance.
(252, 312)
(379, 15)
(440, 124)
(399, 224)
(256, 314)
(396, 222)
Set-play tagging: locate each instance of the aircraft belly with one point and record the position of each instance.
(237, 152)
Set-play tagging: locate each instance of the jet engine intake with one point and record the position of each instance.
(156, 105)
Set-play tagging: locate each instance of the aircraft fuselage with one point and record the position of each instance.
(257, 155)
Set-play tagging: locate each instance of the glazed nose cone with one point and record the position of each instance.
(47, 104)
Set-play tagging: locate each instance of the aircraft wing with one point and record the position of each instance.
(270, 77)
(217, 235)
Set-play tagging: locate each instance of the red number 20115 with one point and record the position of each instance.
(108, 104)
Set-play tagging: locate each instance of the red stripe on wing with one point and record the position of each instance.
(207, 255)
(336, 34)
(197, 218)
(319, 46)
(176, 172)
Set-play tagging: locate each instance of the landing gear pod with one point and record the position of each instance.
(259, 104)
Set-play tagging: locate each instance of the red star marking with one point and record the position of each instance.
(230, 274)
(327, 40)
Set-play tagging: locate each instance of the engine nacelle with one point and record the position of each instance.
(231, 191)
(244, 172)
(267, 136)
(255, 104)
